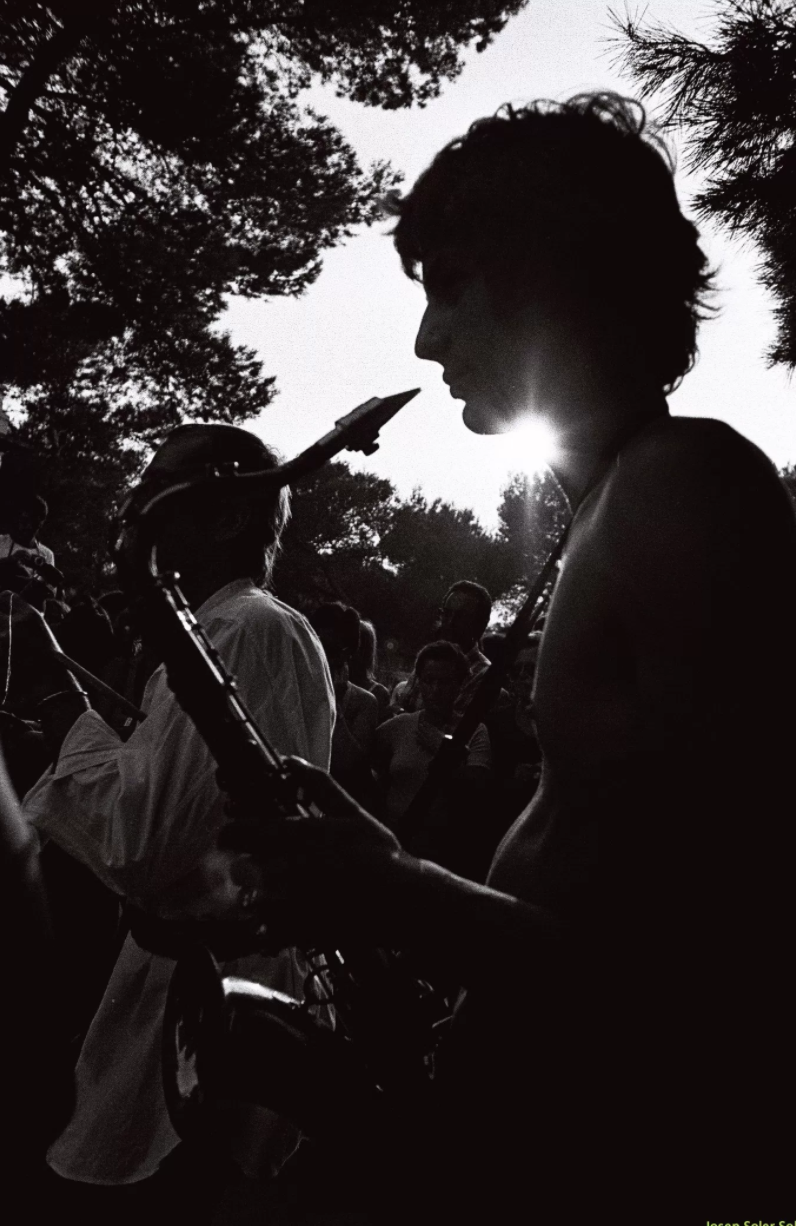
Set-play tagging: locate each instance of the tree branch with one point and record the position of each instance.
(51, 54)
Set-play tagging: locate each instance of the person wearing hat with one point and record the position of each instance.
(144, 815)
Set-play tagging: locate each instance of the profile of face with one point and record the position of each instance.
(493, 356)
(460, 620)
(26, 523)
(519, 679)
(439, 686)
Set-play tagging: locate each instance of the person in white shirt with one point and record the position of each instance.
(144, 814)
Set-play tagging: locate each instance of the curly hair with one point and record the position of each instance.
(447, 652)
(578, 195)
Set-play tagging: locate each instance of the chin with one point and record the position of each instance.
(483, 418)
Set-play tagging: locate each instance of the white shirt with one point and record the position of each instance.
(144, 816)
(405, 749)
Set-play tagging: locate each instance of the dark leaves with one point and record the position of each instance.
(735, 102)
(155, 158)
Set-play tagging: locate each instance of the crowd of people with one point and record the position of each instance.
(385, 735)
(602, 873)
(385, 742)
(99, 871)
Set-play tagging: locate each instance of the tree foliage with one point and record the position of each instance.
(734, 98)
(334, 536)
(532, 515)
(353, 539)
(155, 157)
(83, 464)
(432, 545)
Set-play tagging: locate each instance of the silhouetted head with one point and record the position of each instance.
(26, 518)
(240, 536)
(337, 626)
(568, 213)
(441, 669)
(464, 614)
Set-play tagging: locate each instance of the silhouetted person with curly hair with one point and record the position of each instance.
(625, 1040)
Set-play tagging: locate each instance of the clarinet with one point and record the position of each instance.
(228, 1037)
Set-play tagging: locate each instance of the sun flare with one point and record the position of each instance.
(534, 446)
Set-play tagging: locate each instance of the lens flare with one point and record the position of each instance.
(534, 446)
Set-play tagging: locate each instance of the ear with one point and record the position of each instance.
(232, 521)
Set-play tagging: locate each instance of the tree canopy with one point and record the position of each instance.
(352, 538)
(155, 157)
(734, 99)
(431, 545)
(333, 540)
(532, 515)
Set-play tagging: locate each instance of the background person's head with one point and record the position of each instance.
(492, 645)
(204, 535)
(522, 671)
(26, 518)
(565, 216)
(441, 669)
(362, 665)
(464, 614)
(337, 626)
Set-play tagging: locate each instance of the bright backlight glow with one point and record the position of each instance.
(535, 446)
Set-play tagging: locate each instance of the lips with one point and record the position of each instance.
(454, 382)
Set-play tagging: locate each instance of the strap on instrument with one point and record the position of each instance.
(453, 749)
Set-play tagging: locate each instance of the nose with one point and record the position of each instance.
(432, 337)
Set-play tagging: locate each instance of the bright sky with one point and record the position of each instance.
(351, 335)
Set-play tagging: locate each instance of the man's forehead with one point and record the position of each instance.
(455, 602)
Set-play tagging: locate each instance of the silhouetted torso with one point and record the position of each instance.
(662, 835)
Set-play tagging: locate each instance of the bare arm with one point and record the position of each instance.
(342, 874)
(39, 684)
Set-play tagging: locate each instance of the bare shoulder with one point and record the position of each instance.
(693, 475)
(688, 512)
(363, 698)
(688, 449)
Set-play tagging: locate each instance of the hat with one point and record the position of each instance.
(190, 448)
